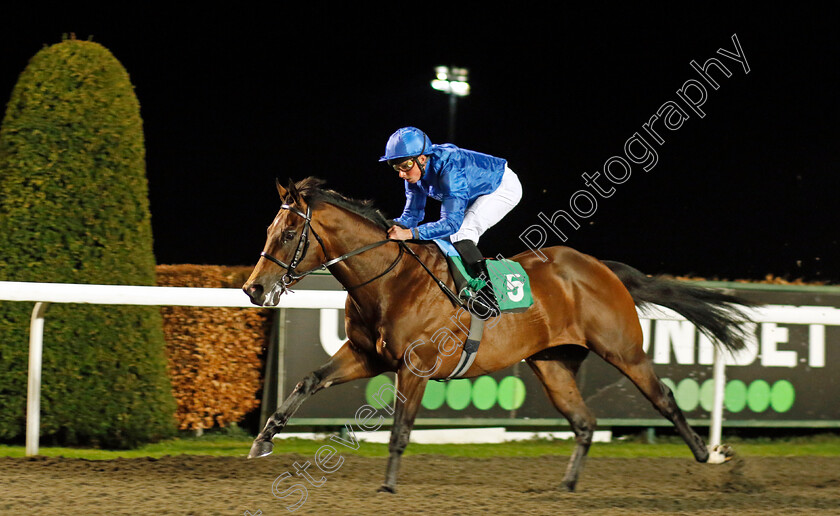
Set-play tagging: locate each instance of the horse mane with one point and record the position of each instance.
(311, 191)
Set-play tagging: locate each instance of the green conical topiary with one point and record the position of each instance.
(74, 209)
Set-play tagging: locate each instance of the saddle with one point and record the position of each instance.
(509, 287)
(509, 284)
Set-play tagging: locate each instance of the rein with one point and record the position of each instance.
(446, 290)
(476, 323)
(292, 274)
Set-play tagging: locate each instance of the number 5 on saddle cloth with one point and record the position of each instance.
(509, 282)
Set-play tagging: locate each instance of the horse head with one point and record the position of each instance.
(286, 250)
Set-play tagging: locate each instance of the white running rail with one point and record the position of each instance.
(42, 294)
(45, 293)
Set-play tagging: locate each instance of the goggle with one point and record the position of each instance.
(403, 166)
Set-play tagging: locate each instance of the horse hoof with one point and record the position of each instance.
(720, 453)
(260, 449)
(568, 486)
(386, 489)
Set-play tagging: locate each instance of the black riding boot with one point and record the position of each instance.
(476, 266)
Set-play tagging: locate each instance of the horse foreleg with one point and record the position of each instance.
(556, 369)
(347, 364)
(409, 394)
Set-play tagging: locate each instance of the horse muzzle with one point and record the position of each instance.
(255, 292)
(262, 297)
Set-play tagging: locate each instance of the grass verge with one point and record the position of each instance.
(237, 445)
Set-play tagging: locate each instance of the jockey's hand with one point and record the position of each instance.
(398, 233)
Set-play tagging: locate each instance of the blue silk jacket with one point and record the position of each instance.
(456, 177)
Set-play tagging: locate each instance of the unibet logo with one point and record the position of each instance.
(484, 393)
(758, 396)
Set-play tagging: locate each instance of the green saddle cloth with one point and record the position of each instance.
(510, 283)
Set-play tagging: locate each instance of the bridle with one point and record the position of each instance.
(292, 274)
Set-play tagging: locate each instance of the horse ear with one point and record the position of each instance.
(282, 191)
(293, 191)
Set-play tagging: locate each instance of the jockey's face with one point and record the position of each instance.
(413, 173)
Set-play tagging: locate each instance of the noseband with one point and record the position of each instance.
(293, 275)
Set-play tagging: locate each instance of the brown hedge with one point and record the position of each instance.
(213, 353)
(768, 279)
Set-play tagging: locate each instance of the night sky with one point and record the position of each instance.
(233, 99)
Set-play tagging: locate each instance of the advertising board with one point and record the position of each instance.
(787, 376)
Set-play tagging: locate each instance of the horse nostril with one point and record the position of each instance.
(254, 291)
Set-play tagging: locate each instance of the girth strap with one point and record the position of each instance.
(470, 347)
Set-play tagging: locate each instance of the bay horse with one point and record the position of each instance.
(580, 305)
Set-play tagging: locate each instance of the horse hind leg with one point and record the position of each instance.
(663, 399)
(556, 369)
(632, 361)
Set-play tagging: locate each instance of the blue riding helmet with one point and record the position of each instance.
(406, 142)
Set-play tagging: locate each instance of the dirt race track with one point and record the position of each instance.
(429, 485)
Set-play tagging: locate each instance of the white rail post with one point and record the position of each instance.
(42, 294)
(716, 424)
(33, 394)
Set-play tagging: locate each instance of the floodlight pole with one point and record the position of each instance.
(453, 101)
(453, 82)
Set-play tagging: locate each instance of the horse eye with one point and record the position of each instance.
(288, 235)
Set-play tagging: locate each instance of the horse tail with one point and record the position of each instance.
(718, 315)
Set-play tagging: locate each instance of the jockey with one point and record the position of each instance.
(476, 190)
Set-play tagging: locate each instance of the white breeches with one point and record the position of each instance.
(489, 209)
